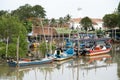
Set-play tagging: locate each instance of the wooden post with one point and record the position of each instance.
(7, 47)
(17, 53)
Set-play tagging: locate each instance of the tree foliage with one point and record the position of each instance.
(118, 20)
(28, 25)
(23, 12)
(46, 22)
(118, 8)
(86, 23)
(38, 11)
(53, 22)
(110, 20)
(67, 18)
(61, 22)
(43, 48)
(2, 12)
(11, 27)
(28, 11)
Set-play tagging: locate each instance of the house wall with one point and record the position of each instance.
(75, 24)
(98, 26)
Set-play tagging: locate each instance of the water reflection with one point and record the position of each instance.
(101, 67)
(26, 73)
(86, 68)
(92, 61)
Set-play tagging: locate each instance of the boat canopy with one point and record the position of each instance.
(63, 30)
(91, 40)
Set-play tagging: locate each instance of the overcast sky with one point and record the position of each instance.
(60, 8)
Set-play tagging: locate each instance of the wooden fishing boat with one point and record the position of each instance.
(63, 61)
(96, 49)
(97, 52)
(27, 62)
(60, 56)
(89, 47)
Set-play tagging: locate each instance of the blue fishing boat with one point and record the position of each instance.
(60, 56)
(68, 43)
(27, 62)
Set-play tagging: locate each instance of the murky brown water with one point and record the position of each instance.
(101, 67)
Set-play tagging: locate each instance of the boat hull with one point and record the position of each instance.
(98, 52)
(60, 56)
(28, 63)
(63, 58)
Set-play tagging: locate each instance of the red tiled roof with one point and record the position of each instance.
(44, 31)
(94, 20)
(77, 20)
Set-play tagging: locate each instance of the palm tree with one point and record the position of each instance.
(61, 22)
(46, 22)
(67, 18)
(53, 23)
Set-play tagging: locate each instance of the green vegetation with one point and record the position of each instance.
(63, 30)
(44, 49)
(86, 22)
(61, 22)
(112, 20)
(11, 28)
(20, 21)
(100, 33)
(27, 11)
(29, 15)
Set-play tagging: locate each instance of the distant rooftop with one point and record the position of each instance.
(94, 20)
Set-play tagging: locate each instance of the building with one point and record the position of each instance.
(97, 23)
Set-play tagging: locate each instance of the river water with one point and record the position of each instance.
(100, 67)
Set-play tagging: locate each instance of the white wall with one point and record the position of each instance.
(98, 26)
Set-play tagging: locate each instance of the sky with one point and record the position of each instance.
(60, 8)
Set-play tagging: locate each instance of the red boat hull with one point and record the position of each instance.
(97, 52)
